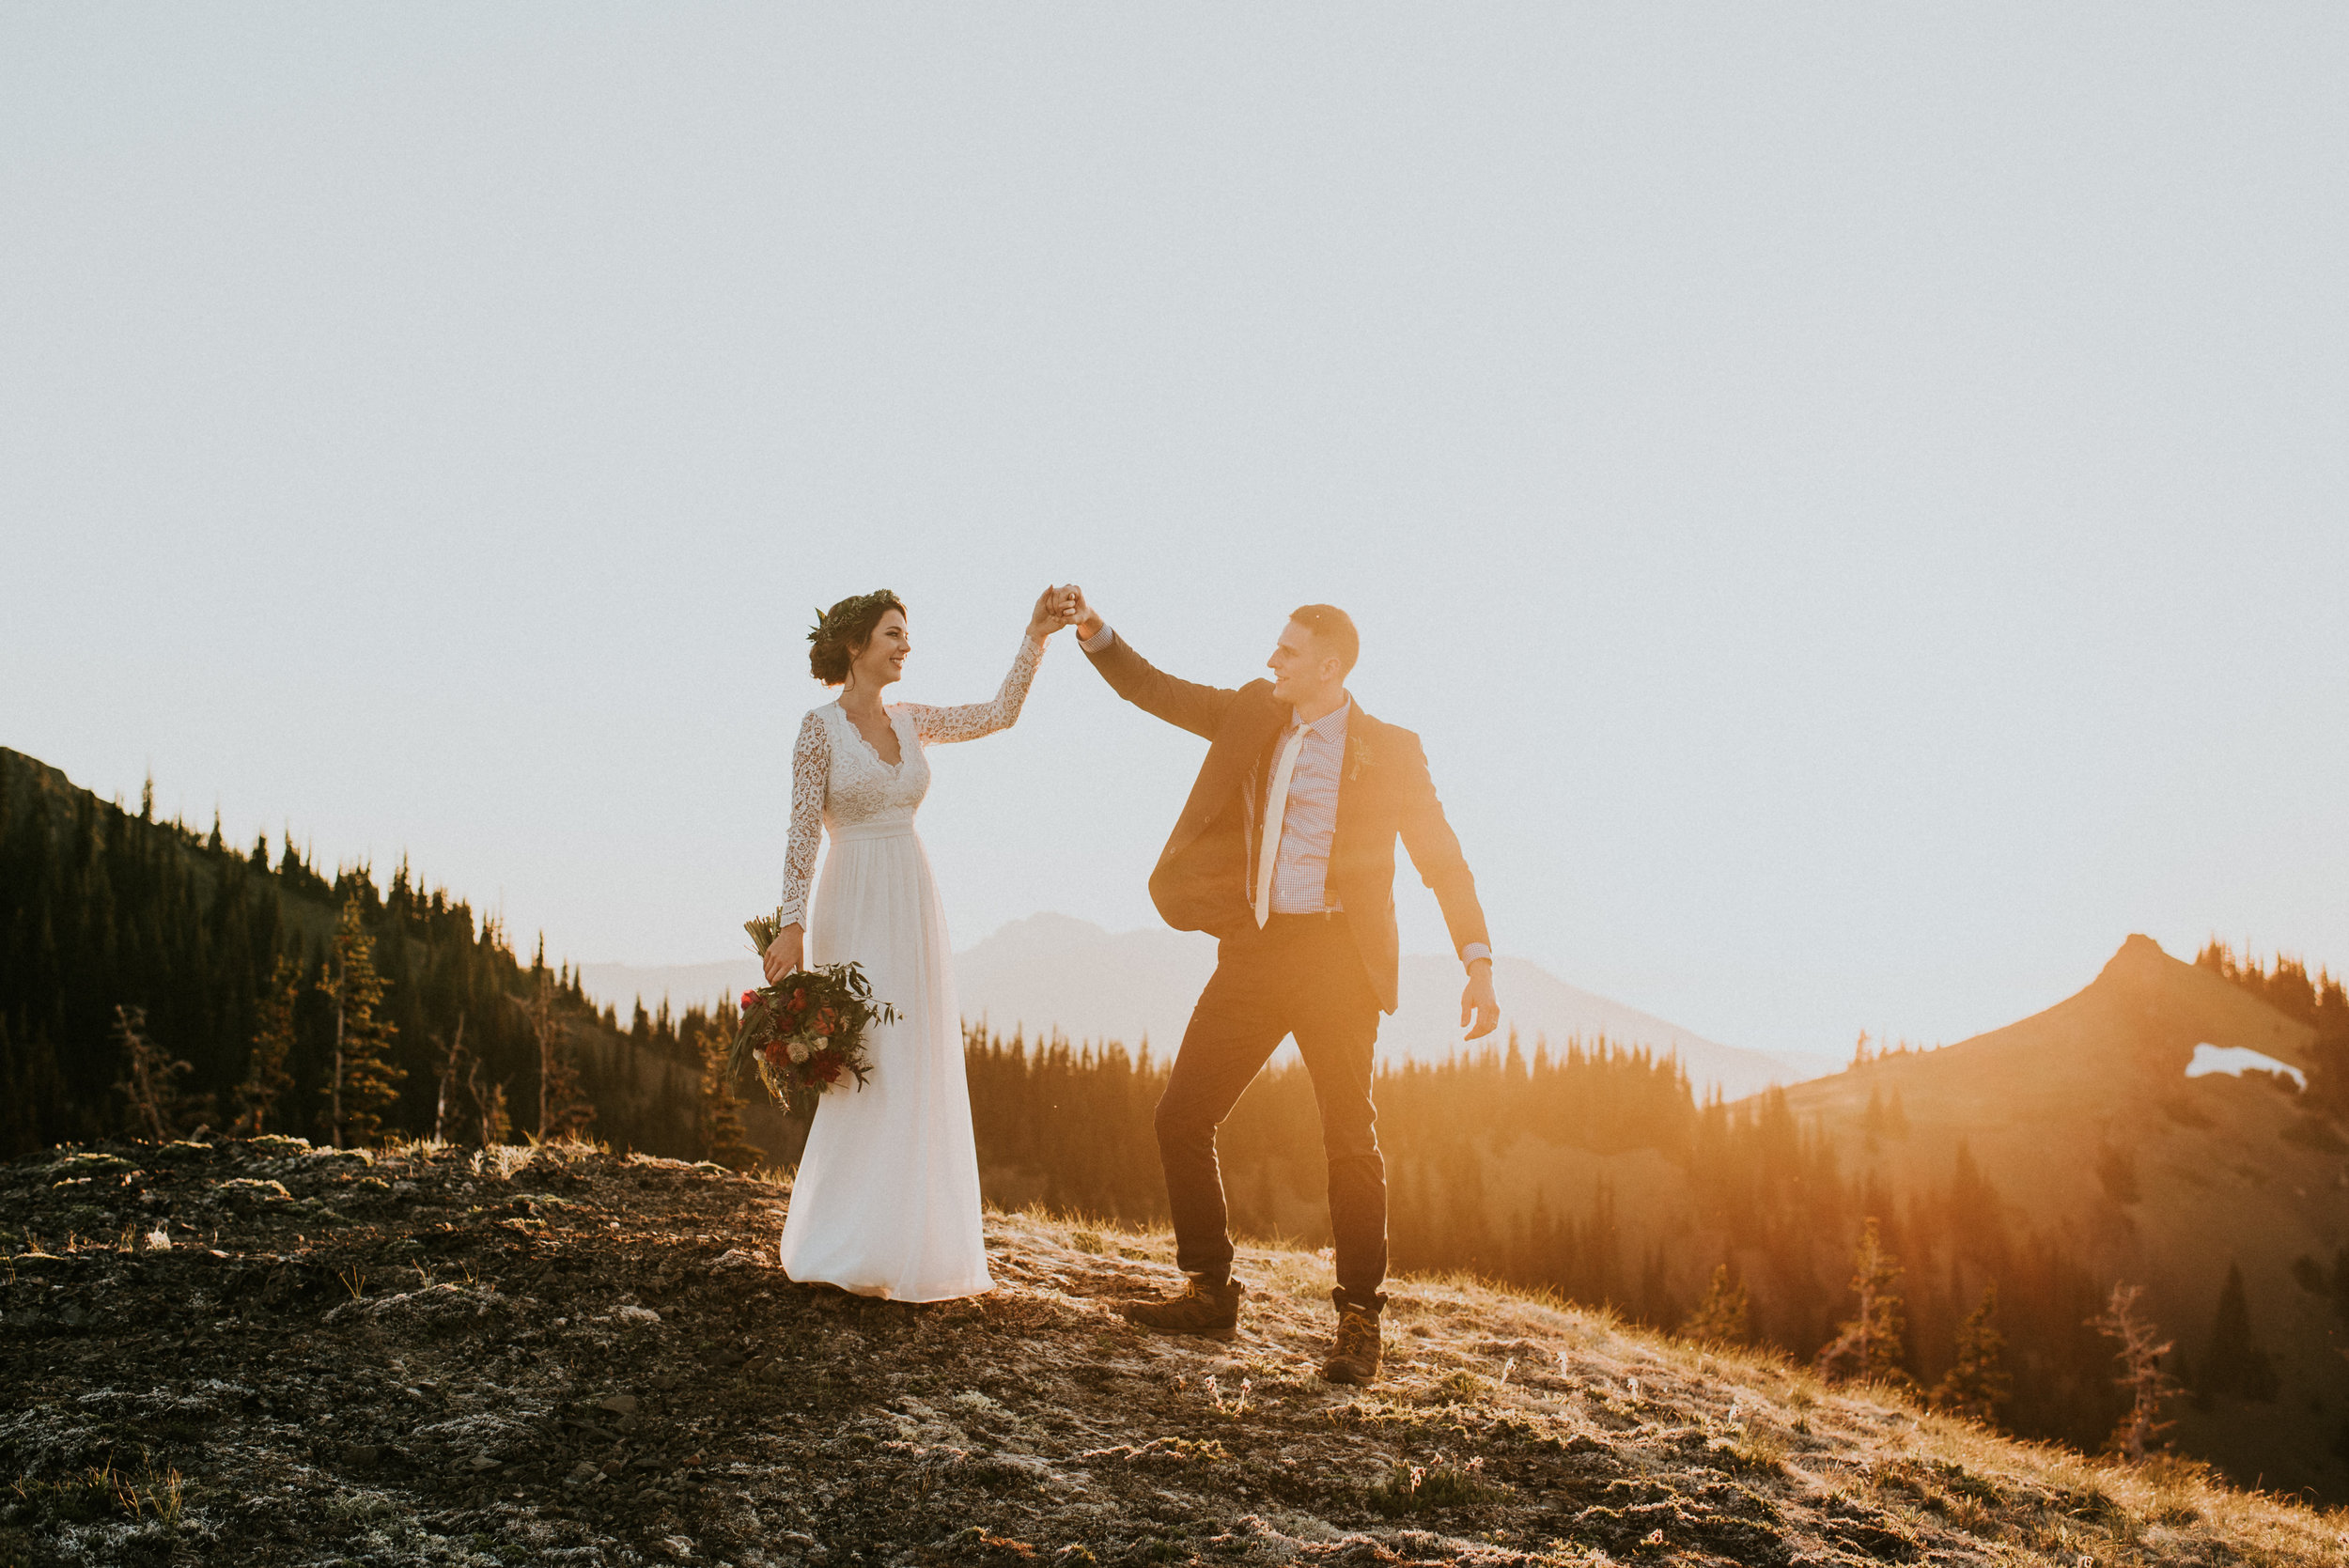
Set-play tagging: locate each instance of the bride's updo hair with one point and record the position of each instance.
(840, 632)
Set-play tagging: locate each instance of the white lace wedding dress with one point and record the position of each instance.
(886, 1201)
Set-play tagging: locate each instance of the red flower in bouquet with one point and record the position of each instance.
(807, 1032)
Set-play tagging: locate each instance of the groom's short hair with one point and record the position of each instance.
(1333, 629)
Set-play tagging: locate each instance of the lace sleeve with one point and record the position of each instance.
(936, 725)
(811, 776)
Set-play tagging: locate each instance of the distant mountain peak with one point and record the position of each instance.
(1054, 971)
(2138, 955)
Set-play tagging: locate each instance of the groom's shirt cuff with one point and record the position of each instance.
(1474, 951)
(1099, 639)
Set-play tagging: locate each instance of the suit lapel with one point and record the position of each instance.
(1229, 770)
(1356, 778)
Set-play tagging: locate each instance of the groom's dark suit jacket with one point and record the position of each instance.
(1203, 881)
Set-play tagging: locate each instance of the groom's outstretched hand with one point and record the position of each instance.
(1478, 1000)
(1088, 620)
(1055, 607)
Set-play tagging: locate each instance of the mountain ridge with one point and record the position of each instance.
(1051, 973)
(2083, 1119)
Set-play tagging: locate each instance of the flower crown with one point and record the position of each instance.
(831, 623)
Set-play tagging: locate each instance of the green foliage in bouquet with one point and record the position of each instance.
(807, 1032)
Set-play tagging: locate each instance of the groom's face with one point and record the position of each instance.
(1301, 673)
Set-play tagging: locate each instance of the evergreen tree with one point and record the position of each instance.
(488, 1098)
(1722, 1316)
(2143, 1376)
(564, 1107)
(365, 1081)
(2235, 1366)
(1977, 1383)
(267, 1079)
(1868, 1346)
(722, 1138)
(452, 1060)
(149, 1077)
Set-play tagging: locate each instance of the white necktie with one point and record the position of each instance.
(1275, 807)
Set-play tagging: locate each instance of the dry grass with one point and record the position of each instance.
(1527, 1361)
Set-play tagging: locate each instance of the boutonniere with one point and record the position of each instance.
(1359, 749)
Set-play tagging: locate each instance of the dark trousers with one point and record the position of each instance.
(1300, 975)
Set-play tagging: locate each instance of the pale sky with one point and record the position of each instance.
(1852, 497)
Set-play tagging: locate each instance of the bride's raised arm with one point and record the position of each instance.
(969, 720)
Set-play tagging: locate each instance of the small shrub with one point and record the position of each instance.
(1454, 1388)
(992, 1475)
(1758, 1450)
(1182, 1451)
(102, 1492)
(1428, 1489)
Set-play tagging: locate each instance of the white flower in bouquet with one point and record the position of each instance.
(799, 1052)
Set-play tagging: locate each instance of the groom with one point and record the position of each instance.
(1285, 852)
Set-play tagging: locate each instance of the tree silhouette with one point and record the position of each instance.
(722, 1138)
(563, 1107)
(267, 1079)
(1977, 1383)
(2234, 1365)
(1868, 1346)
(1721, 1314)
(365, 1081)
(149, 1077)
(452, 1059)
(488, 1101)
(2143, 1376)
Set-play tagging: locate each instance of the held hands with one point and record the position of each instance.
(1478, 1000)
(1086, 619)
(1054, 607)
(785, 953)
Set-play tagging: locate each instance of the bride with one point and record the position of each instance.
(886, 1201)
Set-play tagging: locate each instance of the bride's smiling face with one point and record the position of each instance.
(882, 659)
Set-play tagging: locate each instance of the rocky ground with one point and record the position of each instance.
(266, 1352)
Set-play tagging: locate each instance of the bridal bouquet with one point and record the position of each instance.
(806, 1031)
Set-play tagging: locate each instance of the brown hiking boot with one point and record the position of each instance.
(1356, 1360)
(1201, 1309)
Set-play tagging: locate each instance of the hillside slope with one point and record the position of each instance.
(102, 906)
(517, 1356)
(2083, 1119)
